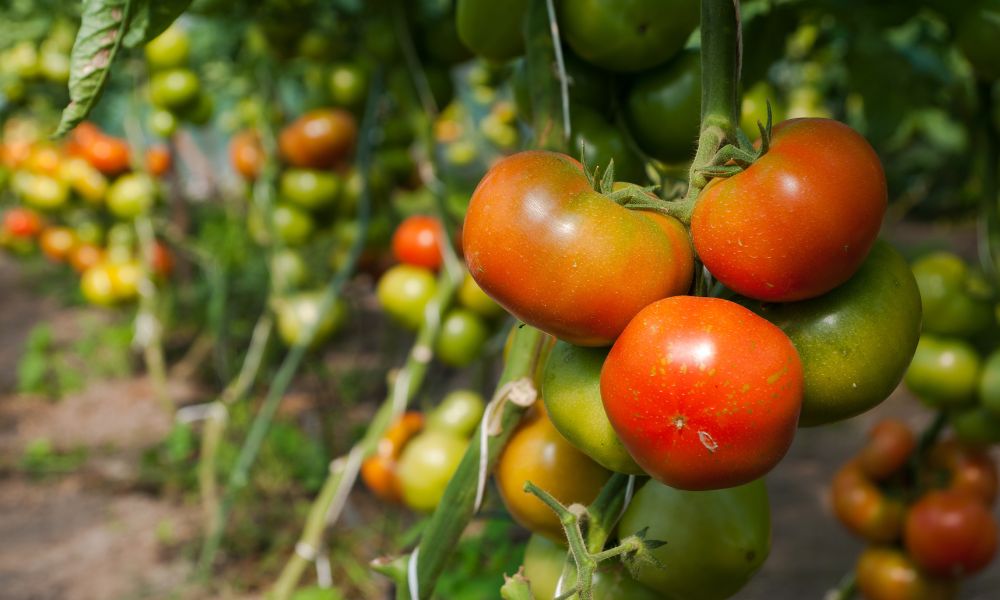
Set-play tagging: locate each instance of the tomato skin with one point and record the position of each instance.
(417, 241)
(890, 444)
(319, 139)
(950, 534)
(379, 470)
(246, 154)
(852, 362)
(543, 564)
(168, 50)
(944, 372)
(426, 466)
(461, 338)
(563, 258)
(863, 508)
(491, 30)
(404, 291)
(627, 35)
(703, 393)
(571, 388)
(716, 540)
(537, 453)
(57, 242)
(459, 413)
(793, 226)
(663, 108)
(22, 222)
(110, 155)
(889, 574)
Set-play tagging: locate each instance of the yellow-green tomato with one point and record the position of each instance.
(131, 195)
(716, 540)
(944, 372)
(543, 564)
(41, 191)
(459, 413)
(472, 297)
(174, 89)
(298, 313)
(288, 270)
(97, 285)
(571, 388)
(951, 306)
(461, 338)
(426, 465)
(310, 189)
(292, 225)
(168, 50)
(404, 291)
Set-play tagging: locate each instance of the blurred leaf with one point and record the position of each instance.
(151, 18)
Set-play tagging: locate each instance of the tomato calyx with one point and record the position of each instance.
(635, 197)
(731, 159)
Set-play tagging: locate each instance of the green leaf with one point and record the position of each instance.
(151, 18)
(103, 26)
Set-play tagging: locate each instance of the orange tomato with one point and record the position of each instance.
(158, 160)
(246, 154)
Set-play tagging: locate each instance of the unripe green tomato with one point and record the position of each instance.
(571, 388)
(472, 297)
(131, 195)
(310, 189)
(168, 50)
(299, 312)
(174, 88)
(459, 413)
(461, 338)
(426, 465)
(41, 191)
(292, 225)
(944, 372)
(121, 235)
(602, 141)
(54, 65)
(663, 108)
(588, 86)
(977, 425)
(404, 291)
(162, 122)
(492, 30)
(348, 85)
(543, 565)
(200, 111)
(288, 270)
(945, 288)
(989, 383)
(22, 60)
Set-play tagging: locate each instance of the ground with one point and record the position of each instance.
(94, 534)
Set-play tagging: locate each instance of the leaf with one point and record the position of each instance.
(103, 25)
(151, 18)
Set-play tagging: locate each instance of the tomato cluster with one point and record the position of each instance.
(927, 512)
(175, 90)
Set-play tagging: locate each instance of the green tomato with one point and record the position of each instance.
(543, 564)
(754, 108)
(168, 50)
(571, 388)
(602, 141)
(288, 270)
(131, 195)
(309, 188)
(663, 108)
(944, 372)
(174, 89)
(493, 30)
(461, 338)
(426, 465)
(588, 86)
(348, 84)
(716, 540)
(200, 111)
(851, 361)
(459, 413)
(989, 383)
(951, 306)
(472, 297)
(162, 122)
(627, 35)
(298, 312)
(292, 225)
(404, 291)
(977, 425)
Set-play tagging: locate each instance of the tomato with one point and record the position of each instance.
(174, 89)
(379, 470)
(949, 307)
(85, 255)
(968, 469)
(754, 108)
(131, 195)
(22, 222)
(54, 65)
(57, 242)
(110, 155)
(703, 393)
(537, 453)
(97, 285)
(792, 226)
(890, 444)
(889, 574)
(851, 361)
(348, 85)
(168, 50)
(627, 35)
(310, 189)
(84, 179)
(158, 160)
(125, 278)
(417, 241)
(716, 540)
(571, 387)
(602, 141)
(461, 339)
(989, 383)
(976, 36)
(562, 257)
(162, 261)
(459, 413)
(472, 297)
(950, 534)
(543, 564)
(944, 372)
(162, 122)
(288, 270)
(41, 191)
(863, 508)
(663, 108)
(404, 291)
(200, 110)
(298, 312)
(246, 154)
(292, 225)
(975, 425)
(588, 86)
(492, 30)
(426, 466)
(318, 139)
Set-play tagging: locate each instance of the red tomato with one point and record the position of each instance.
(889, 446)
(564, 258)
(969, 470)
(109, 155)
(799, 221)
(417, 242)
(246, 154)
(163, 260)
(22, 222)
(703, 393)
(950, 534)
(863, 508)
(319, 139)
(158, 160)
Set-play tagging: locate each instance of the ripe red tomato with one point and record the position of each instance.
(417, 241)
(703, 393)
(799, 221)
(889, 446)
(246, 154)
(564, 258)
(863, 508)
(950, 534)
(109, 155)
(22, 222)
(319, 139)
